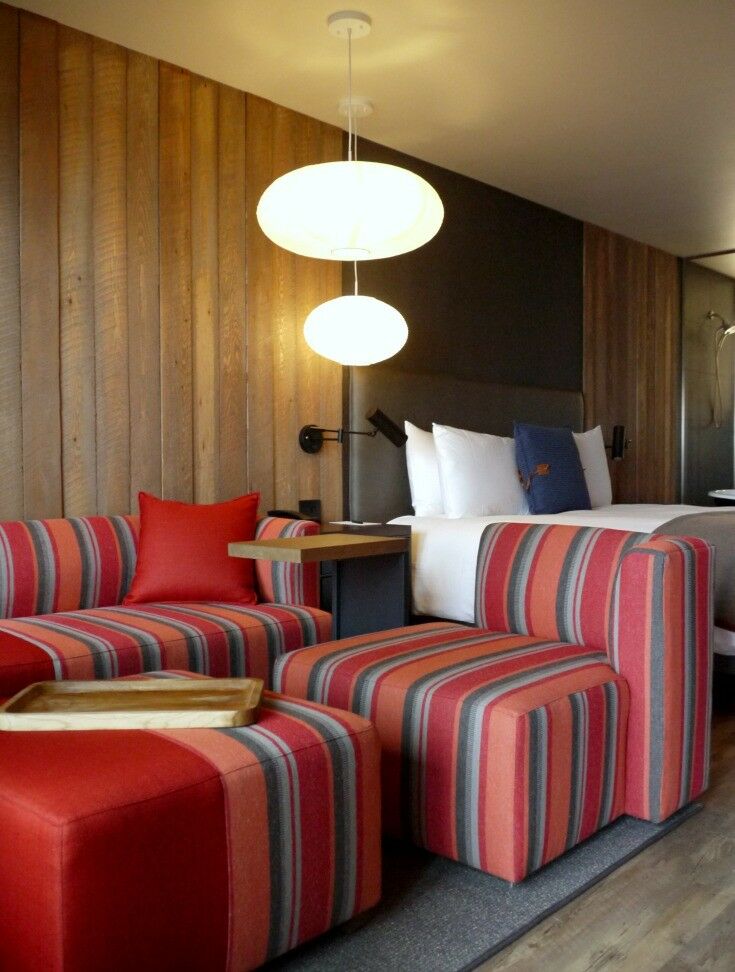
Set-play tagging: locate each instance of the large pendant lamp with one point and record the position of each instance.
(350, 210)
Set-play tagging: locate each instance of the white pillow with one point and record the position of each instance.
(591, 447)
(423, 472)
(478, 473)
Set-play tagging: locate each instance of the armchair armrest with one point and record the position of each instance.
(286, 583)
(645, 601)
(660, 640)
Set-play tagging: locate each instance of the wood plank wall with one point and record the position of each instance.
(151, 335)
(632, 353)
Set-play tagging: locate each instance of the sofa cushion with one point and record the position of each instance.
(65, 564)
(183, 552)
(218, 639)
(499, 750)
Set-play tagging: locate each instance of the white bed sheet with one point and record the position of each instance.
(444, 549)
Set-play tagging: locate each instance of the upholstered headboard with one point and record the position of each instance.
(376, 469)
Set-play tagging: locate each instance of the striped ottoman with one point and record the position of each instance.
(499, 750)
(198, 850)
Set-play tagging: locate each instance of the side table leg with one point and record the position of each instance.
(370, 594)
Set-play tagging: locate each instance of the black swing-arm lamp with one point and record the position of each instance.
(312, 437)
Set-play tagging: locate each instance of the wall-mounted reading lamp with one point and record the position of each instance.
(619, 443)
(312, 438)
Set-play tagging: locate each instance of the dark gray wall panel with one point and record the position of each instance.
(378, 481)
(495, 296)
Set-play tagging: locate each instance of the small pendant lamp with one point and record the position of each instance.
(356, 330)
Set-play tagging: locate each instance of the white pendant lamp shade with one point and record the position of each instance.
(350, 211)
(355, 330)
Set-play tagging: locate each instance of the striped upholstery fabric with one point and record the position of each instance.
(647, 603)
(85, 562)
(212, 638)
(228, 847)
(282, 582)
(65, 564)
(500, 751)
(661, 629)
(549, 581)
(61, 582)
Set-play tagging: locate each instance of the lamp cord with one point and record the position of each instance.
(349, 94)
(351, 126)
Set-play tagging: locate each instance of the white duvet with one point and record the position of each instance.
(444, 549)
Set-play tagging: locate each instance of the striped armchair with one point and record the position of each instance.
(583, 693)
(62, 582)
(644, 601)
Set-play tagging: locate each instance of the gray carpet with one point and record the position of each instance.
(439, 916)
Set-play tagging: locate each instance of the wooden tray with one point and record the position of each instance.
(158, 703)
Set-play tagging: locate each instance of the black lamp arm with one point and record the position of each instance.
(312, 438)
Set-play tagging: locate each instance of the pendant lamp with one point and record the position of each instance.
(350, 210)
(355, 330)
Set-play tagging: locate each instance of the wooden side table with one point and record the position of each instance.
(371, 578)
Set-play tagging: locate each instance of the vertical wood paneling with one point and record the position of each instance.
(329, 373)
(205, 297)
(143, 270)
(76, 271)
(286, 451)
(39, 267)
(152, 336)
(262, 297)
(177, 481)
(667, 307)
(11, 418)
(110, 278)
(631, 359)
(233, 434)
(289, 386)
(304, 363)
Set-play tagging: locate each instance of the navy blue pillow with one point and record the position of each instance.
(549, 464)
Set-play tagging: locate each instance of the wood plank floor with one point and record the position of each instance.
(671, 908)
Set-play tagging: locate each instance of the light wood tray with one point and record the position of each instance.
(158, 703)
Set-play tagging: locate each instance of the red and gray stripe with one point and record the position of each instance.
(284, 795)
(473, 715)
(125, 640)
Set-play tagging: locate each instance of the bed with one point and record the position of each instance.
(378, 488)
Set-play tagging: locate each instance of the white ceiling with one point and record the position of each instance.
(724, 263)
(619, 112)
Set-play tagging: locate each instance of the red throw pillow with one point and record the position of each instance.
(182, 552)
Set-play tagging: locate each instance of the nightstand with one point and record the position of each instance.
(370, 577)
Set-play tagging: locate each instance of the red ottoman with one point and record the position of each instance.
(186, 850)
